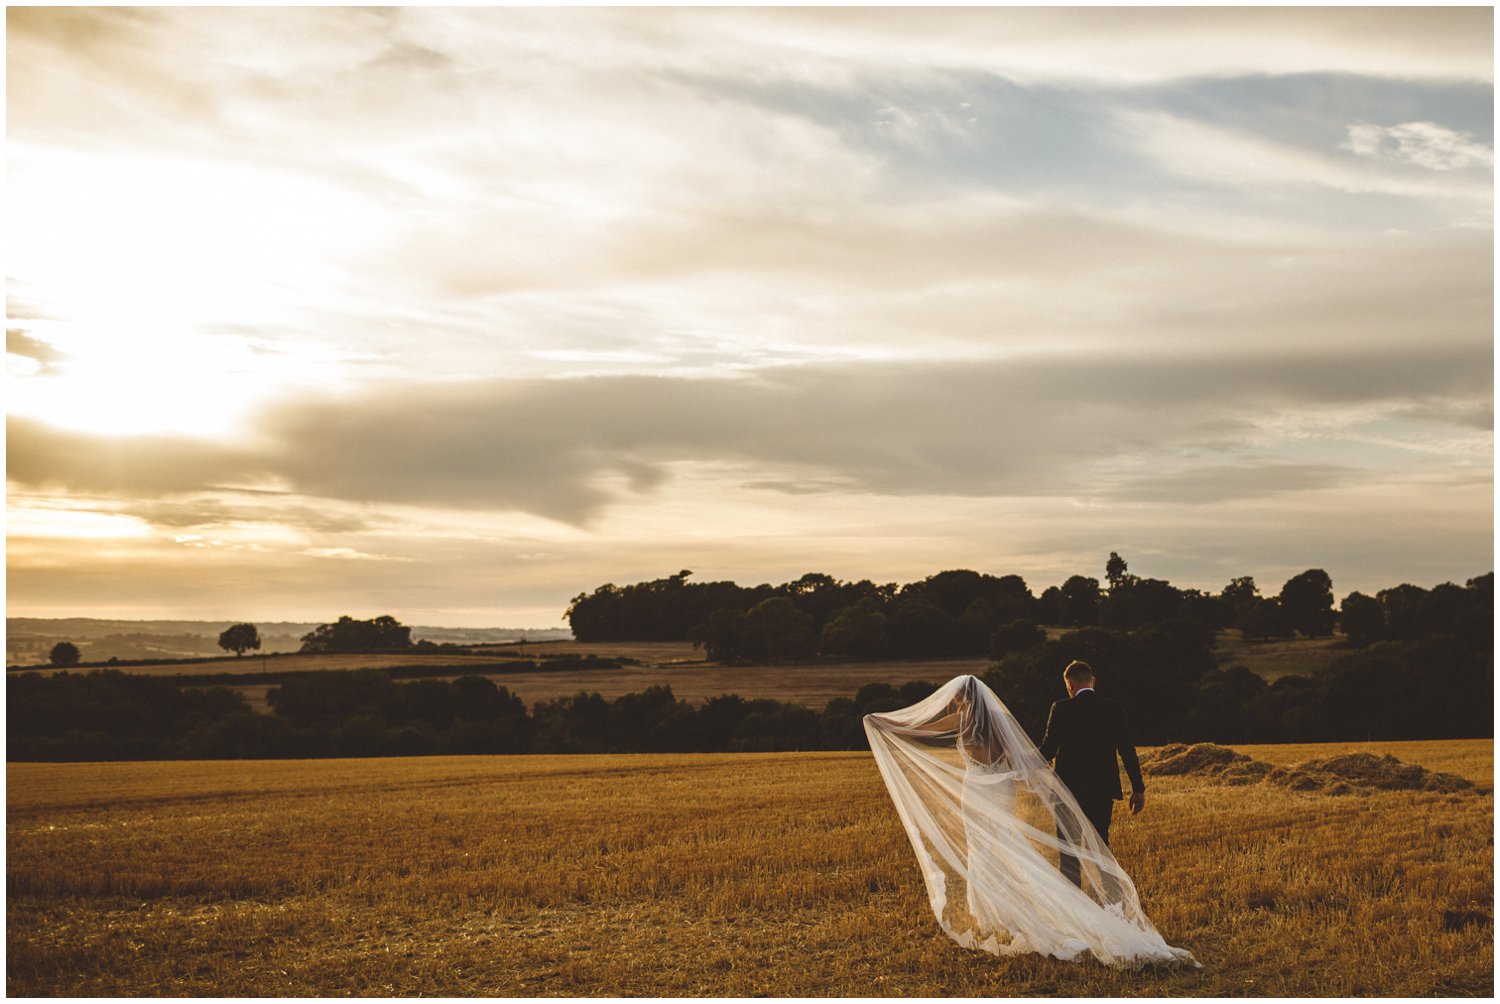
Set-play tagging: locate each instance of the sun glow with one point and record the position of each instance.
(147, 273)
(73, 524)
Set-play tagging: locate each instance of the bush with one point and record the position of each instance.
(1017, 636)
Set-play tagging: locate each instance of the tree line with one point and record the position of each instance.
(967, 613)
(1438, 686)
(378, 634)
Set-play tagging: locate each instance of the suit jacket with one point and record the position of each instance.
(1084, 734)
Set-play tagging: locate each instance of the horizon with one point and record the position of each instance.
(1265, 589)
(456, 313)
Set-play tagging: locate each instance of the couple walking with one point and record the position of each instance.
(1014, 854)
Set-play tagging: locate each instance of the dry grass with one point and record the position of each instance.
(724, 875)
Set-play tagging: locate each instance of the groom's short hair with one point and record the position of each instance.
(1078, 672)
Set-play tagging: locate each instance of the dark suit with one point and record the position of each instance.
(1084, 735)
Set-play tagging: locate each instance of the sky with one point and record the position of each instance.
(454, 314)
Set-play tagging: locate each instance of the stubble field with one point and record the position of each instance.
(724, 875)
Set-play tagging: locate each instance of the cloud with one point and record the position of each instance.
(1425, 144)
(1251, 478)
(1244, 160)
(221, 508)
(744, 283)
(567, 449)
(349, 554)
(27, 356)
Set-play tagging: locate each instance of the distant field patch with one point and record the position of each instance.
(696, 875)
(656, 653)
(812, 686)
(296, 663)
(1271, 660)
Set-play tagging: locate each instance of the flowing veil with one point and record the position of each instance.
(989, 821)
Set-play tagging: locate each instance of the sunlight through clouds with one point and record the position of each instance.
(473, 309)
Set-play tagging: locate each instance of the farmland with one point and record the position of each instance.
(726, 875)
(691, 677)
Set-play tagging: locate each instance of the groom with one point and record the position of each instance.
(1084, 734)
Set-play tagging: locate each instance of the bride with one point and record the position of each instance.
(989, 819)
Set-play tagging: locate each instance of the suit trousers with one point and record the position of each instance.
(1097, 810)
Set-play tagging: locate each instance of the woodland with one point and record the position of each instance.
(1414, 663)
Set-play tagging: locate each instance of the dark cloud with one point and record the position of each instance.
(565, 448)
(46, 457)
(1469, 414)
(249, 508)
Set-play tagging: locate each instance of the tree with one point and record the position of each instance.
(1265, 619)
(1363, 619)
(64, 654)
(349, 635)
(775, 629)
(1017, 636)
(857, 632)
(1405, 609)
(1114, 570)
(239, 639)
(1307, 600)
(921, 630)
(1234, 600)
(1049, 606)
(721, 636)
(1078, 602)
(1134, 603)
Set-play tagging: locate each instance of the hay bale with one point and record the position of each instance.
(1296, 779)
(1246, 771)
(1386, 773)
(1200, 758)
(1345, 774)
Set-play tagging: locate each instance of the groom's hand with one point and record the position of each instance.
(1137, 801)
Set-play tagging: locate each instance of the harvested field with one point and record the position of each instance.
(718, 875)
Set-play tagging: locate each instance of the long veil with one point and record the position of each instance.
(992, 825)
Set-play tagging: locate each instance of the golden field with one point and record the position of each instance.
(697, 874)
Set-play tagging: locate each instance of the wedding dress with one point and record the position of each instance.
(989, 820)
